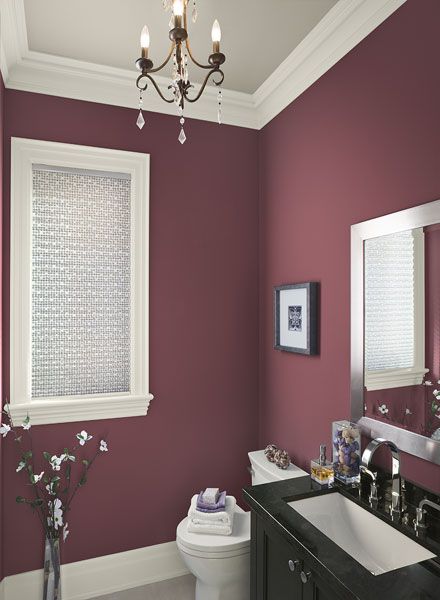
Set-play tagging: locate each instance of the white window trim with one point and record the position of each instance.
(393, 378)
(25, 153)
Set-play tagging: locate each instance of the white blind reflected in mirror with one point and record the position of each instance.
(389, 302)
(81, 256)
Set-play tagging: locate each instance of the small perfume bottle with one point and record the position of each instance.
(321, 470)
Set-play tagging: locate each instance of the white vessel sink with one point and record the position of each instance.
(374, 544)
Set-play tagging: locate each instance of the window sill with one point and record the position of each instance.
(384, 380)
(68, 410)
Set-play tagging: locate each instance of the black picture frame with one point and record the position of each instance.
(294, 317)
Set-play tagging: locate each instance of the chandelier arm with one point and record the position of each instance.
(196, 62)
(138, 80)
(170, 101)
(202, 89)
(166, 61)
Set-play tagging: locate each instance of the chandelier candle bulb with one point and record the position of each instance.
(145, 41)
(216, 35)
(178, 13)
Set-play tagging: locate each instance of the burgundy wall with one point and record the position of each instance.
(203, 333)
(362, 142)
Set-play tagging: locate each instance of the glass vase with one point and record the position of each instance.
(52, 570)
(346, 451)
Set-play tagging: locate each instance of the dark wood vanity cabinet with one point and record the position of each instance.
(279, 571)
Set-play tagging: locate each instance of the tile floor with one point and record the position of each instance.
(181, 588)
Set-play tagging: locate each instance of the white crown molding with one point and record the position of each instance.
(13, 34)
(56, 76)
(341, 29)
(103, 575)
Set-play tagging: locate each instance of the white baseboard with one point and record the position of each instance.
(103, 575)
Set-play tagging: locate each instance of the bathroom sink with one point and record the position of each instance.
(371, 542)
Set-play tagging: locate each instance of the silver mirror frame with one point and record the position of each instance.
(419, 216)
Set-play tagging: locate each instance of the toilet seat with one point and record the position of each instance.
(216, 546)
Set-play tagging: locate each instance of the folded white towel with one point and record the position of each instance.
(225, 517)
(212, 528)
(210, 495)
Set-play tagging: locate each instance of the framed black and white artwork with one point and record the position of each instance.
(296, 317)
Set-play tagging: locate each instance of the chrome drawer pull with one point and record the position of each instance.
(293, 565)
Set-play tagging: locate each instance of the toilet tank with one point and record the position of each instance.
(263, 471)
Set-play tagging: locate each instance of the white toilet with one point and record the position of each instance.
(221, 563)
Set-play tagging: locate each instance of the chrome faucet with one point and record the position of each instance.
(372, 498)
(420, 521)
(396, 494)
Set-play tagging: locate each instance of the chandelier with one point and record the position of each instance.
(180, 53)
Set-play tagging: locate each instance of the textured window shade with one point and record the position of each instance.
(389, 302)
(81, 257)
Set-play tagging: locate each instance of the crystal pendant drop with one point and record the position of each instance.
(140, 120)
(194, 15)
(182, 136)
(219, 110)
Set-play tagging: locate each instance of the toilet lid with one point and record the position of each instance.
(207, 542)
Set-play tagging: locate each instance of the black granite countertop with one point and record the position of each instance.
(416, 582)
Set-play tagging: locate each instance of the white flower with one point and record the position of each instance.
(407, 411)
(37, 478)
(26, 423)
(56, 511)
(4, 430)
(50, 490)
(83, 437)
(428, 382)
(21, 465)
(55, 462)
(65, 531)
(68, 456)
(435, 392)
(383, 409)
(103, 446)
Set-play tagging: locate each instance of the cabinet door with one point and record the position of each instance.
(314, 588)
(283, 569)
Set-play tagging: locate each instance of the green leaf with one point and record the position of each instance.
(85, 462)
(83, 480)
(55, 479)
(37, 502)
(20, 500)
(47, 456)
(27, 455)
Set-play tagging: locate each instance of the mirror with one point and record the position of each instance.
(395, 385)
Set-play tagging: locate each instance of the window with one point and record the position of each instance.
(394, 310)
(79, 282)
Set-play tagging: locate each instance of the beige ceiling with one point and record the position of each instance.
(257, 35)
